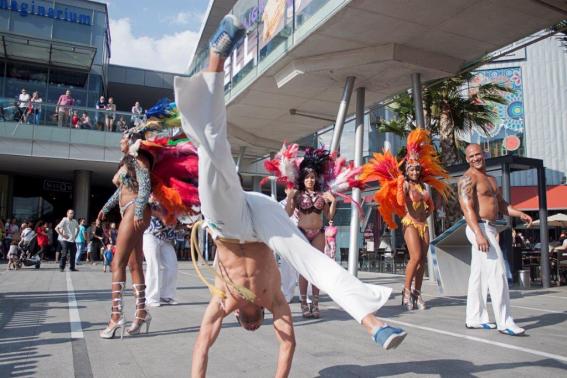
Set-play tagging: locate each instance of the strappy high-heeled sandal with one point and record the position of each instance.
(110, 330)
(136, 326)
(315, 307)
(418, 300)
(407, 300)
(306, 311)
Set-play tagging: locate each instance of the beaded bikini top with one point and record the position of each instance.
(309, 202)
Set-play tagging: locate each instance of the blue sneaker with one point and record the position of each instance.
(482, 326)
(229, 32)
(389, 337)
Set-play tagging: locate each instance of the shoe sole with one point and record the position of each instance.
(512, 334)
(469, 327)
(394, 341)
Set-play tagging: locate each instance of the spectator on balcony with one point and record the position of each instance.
(100, 104)
(86, 121)
(36, 101)
(137, 112)
(110, 114)
(75, 120)
(23, 103)
(64, 105)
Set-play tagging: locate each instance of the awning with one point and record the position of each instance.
(43, 51)
(525, 197)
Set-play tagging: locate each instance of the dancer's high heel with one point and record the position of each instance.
(315, 307)
(418, 300)
(407, 300)
(110, 330)
(139, 292)
(306, 311)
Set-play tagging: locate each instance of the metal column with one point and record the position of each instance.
(543, 230)
(420, 122)
(506, 235)
(341, 115)
(81, 193)
(354, 215)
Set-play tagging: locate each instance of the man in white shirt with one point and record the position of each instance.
(67, 229)
(23, 103)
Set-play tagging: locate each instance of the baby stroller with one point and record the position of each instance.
(27, 251)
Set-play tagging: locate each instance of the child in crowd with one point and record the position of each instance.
(13, 255)
(107, 256)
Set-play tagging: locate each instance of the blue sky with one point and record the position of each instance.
(154, 34)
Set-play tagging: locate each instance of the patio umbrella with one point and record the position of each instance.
(557, 220)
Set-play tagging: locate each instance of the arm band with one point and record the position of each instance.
(144, 190)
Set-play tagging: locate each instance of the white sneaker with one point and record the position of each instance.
(153, 304)
(513, 331)
(168, 301)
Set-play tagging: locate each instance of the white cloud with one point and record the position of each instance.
(186, 18)
(168, 53)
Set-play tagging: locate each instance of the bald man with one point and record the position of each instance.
(481, 202)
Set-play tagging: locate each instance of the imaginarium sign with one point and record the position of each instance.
(25, 8)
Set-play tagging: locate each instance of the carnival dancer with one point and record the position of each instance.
(405, 195)
(482, 202)
(147, 167)
(234, 214)
(311, 203)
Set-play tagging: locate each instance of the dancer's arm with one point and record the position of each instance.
(144, 188)
(283, 325)
(331, 207)
(210, 329)
(290, 203)
(110, 204)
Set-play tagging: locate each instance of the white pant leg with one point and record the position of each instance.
(495, 274)
(200, 100)
(289, 279)
(152, 254)
(169, 272)
(273, 227)
(476, 312)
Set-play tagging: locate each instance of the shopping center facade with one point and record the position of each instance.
(51, 47)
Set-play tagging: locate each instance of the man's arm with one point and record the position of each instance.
(507, 209)
(283, 325)
(466, 200)
(210, 329)
(60, 230)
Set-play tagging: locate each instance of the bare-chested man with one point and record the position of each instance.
(253, 266)
(481, 203)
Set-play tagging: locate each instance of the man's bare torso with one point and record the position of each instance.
(251, 265)
(484, 194)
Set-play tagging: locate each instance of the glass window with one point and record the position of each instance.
(73, 25)
(31, 25)
(4, 19)
(32, 78)
(304, 9)
(68, 78)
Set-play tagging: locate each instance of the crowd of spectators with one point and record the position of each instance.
(29, 109)
(91, 242)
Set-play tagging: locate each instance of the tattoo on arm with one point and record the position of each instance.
(465, 188)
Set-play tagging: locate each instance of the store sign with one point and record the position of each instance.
(57, 186)
(24, 8)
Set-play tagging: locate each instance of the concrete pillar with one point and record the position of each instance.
(341, 114)
(354, 215)
(81, 193)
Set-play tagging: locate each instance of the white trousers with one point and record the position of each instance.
(232, 213)
(161, 269)
(289, 279)
(488, 275)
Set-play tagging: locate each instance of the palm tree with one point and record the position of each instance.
(452, 109)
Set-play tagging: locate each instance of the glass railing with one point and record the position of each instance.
(74, 117)
(273, 27)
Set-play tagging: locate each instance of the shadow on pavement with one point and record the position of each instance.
(441, 368)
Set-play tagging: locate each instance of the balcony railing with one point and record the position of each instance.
(270, 33)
